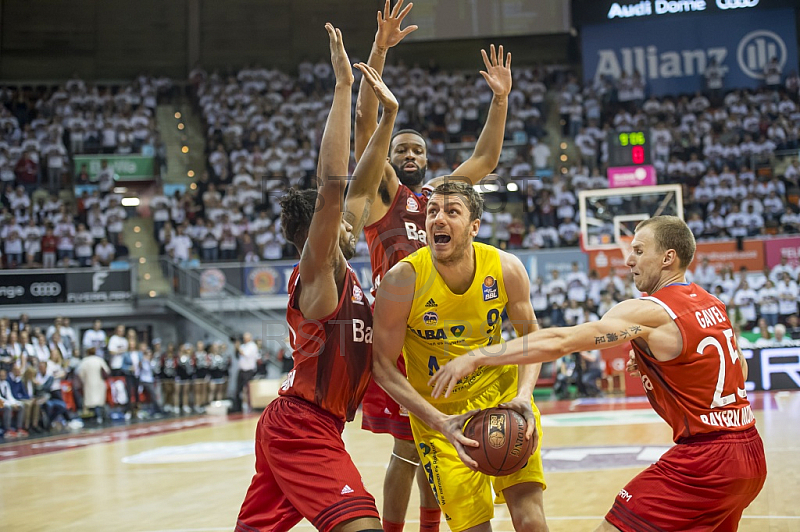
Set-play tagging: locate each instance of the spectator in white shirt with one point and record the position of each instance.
(787, 297)
(745, 299)
(577, 284)
(768, 303)
(95, 337)
(568, 232)
(784, 267)
(248, 355)
(117, 347)
(105, 252)
(180, 245)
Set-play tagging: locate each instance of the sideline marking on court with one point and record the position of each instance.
(194, 452)
(596, 419)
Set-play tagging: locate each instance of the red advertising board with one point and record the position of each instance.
(605, 261)
(720, 254)
(775, 248)
(726, 254)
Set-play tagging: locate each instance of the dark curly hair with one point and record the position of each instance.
(297, 210)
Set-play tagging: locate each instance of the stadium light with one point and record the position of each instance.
(512, 187)
(130, 202)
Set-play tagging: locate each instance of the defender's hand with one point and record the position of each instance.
(453, 429)
(389, 33)
(497, 75)
(339, 59)
(448, 375)
(632, 367)
(382, 92)
(523, 407)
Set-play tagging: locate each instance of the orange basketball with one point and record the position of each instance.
(501, 434)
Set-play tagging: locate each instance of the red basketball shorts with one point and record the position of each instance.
(703, 483)
(302, 470)
(382, 415)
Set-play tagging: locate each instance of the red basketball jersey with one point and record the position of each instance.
(333, 355)
(702, 390)
(398, 234)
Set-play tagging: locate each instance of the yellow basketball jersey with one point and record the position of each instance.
(443, 325)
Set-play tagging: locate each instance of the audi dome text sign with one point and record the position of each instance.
(23, 289)
(672, 53)
(667, 7)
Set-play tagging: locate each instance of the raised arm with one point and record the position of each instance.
(626, 321)
(490, 142)
(387, 36)
(322, 247)
(363, 188)
(520, 312)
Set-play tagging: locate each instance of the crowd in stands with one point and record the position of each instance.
(41, 230)
(263, 127)
(720, 147)
(753, 299)
(52, 379)
(40, 130)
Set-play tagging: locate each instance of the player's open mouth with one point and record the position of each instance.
(410, 167)
(441, 238)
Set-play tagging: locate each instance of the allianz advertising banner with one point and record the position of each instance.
(672, 53)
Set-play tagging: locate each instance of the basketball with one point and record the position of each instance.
(501, 434)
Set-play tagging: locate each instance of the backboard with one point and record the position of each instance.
(608, 217)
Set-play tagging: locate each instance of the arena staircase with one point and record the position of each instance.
(162, 282)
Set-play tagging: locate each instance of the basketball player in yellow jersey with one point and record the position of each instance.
(451, 295)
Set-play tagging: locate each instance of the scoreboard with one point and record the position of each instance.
(629, 148)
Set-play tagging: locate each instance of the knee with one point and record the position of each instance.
(406, 450)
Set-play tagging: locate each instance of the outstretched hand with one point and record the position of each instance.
(389, 32)
(339, 59)
(632, 367)
(382, 92)
(446, 377)
(497, 74)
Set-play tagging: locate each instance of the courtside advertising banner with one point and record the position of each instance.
(777, 248)
(672, 53)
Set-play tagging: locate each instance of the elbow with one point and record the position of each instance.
(380, 371)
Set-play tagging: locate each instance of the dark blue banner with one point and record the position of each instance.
(672, 53)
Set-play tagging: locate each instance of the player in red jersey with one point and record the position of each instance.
(693, 372)
(396, 228)
(302, 467)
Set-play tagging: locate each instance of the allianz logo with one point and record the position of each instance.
(664, 7)
(753, 53)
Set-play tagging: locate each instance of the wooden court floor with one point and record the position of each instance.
(191, 474)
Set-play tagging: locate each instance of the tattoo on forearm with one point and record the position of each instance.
(350, 217)
(624, 334)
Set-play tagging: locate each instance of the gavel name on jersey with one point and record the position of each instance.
(443, 325)
(332, 355)
(702, 390)
(398, 234)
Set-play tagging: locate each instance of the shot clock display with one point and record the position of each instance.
(629, 148)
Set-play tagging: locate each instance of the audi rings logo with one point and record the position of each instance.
(756, 49)
(45, 289)
(736, 4)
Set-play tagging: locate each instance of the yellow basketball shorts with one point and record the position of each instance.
(465, 496)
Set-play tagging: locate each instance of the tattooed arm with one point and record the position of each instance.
(632, 319)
